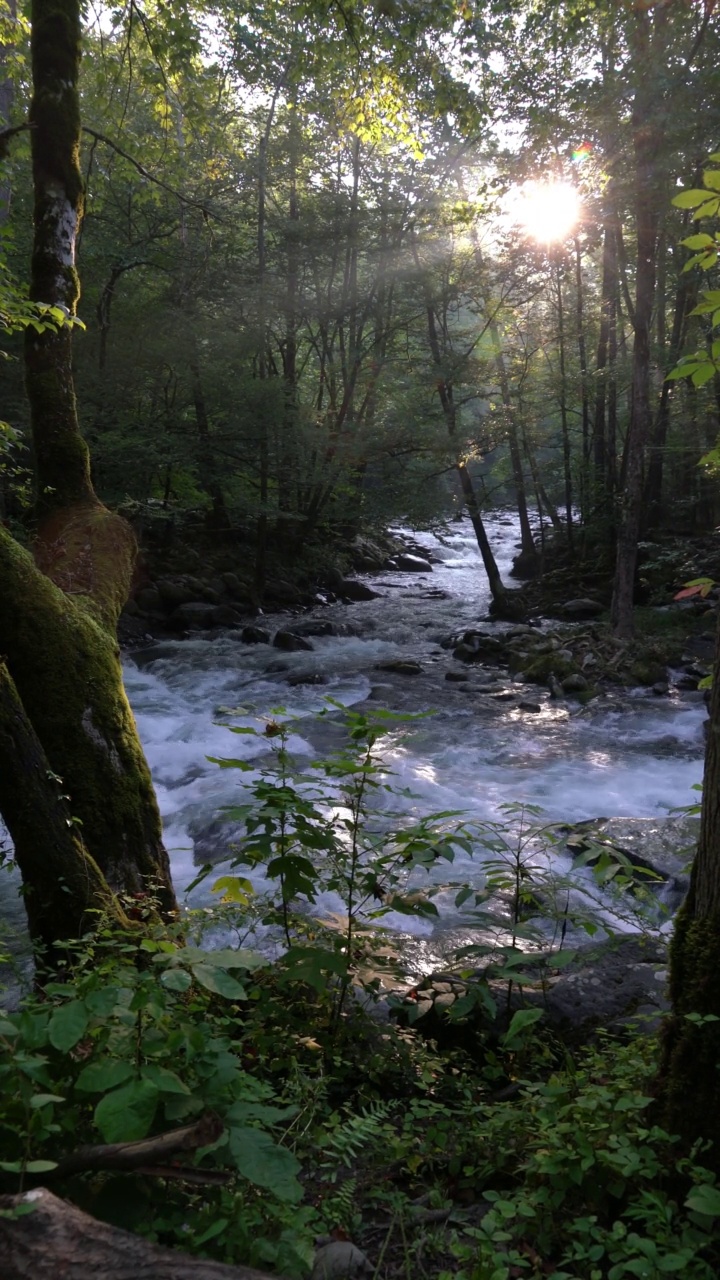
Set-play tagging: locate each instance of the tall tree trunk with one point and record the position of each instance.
(647, 118)
(567, 472)
(58, 615)
(689, 1081)
(528, 551)
(584, 391)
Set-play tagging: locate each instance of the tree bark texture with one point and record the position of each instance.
(689, 1077)
(59, 611)
(56, 1241)
(649, 41)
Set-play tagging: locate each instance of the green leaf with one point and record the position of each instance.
(704, 1199)
(42, 1099)
(711, 179)
(68, 1025)
(126, 1114)
(521, 1019)
(32, 1166)
(700, 241)
(703, 374)
(176, 979)
(219, 981)
(99, 1077)
(259, 1159)
(690, 199)
(707, 210)
(163, 1079)
(213, 1231)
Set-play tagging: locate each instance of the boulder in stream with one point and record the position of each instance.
(290, 642)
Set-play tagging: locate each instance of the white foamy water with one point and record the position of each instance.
(628, 756)
(631, 756)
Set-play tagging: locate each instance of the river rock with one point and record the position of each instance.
(457, 677)
(529, 706)
(174, 592)
(413, 564)
(603, 987)
(582, 608)
(402, 667)
(352, 589)
(318, 627)
(255, 635)
(574, 683)
(223, 615)
(663, 846)
(290, 642)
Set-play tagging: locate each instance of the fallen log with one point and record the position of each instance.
(125, 1157)
(52, 1239)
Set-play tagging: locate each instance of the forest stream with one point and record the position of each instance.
(627, 754)
(630, 753)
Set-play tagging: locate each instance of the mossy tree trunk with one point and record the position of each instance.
(689, 1076)
(60, 608)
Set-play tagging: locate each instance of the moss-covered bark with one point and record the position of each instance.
(61, 879)
(66, 666)
(689, 1082)
(58, 612)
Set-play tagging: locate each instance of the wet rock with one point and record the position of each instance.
(211, 595)
(660, 847)
(529, 706)
(174, 592)
(307, 677)
(400, 666)
(582, 608)
(255, 635)
(223, 615)
(505, 696)
(290, 642)
(413, 564)
(661, 689)
(457, 677)
(318, 627)
(367, 556)
(352, 589)
(574, 683)
(648, 673)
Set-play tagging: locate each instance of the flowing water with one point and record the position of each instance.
(635, 756)
(630, 755)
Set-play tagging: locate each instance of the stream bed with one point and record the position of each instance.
(629, 754)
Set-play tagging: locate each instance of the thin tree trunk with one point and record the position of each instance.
(528, 550)
(648, 46)
(567, 472)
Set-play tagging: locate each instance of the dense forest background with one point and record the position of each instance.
(310, 303)
(294, 272)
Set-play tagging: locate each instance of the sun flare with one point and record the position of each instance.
(546, 210)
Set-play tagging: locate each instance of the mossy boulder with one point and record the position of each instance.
(539, 669)
(648, 672)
